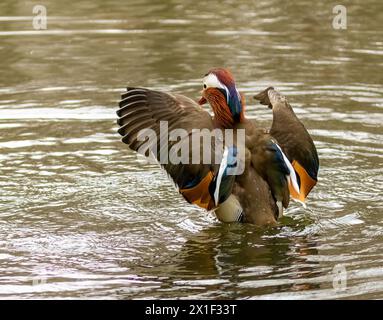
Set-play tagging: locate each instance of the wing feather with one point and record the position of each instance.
(144, 109)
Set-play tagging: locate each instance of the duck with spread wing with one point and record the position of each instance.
(276, 164)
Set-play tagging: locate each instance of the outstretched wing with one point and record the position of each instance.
(294, 140)
(142, 109)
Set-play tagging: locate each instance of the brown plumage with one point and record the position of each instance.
(294, 139)
(257, 195)
(143, 108)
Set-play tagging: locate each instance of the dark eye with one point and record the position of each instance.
(204, 86)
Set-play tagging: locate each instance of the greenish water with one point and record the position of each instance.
(80, 217)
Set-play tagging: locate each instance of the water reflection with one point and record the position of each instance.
(231, 260)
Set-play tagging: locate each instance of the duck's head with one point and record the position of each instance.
(220, 92)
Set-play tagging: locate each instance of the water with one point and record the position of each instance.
(80, 217)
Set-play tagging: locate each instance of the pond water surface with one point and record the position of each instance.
(80, 217)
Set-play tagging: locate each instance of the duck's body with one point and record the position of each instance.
(256, 195)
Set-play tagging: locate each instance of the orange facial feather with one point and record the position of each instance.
(220, 108)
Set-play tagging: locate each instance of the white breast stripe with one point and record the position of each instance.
(292, 177)
(222, 168)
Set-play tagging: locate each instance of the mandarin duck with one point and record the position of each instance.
(250, 181)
